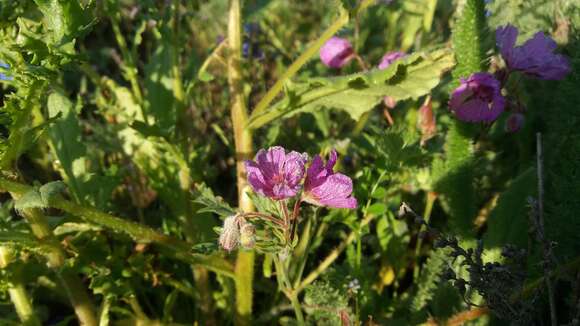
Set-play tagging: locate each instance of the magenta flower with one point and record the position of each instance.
(535, 57)
(323, 187)
(336, 52)
(389, 58)
(275, 173)
(478, 98)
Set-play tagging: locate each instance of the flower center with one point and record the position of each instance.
(278, 178)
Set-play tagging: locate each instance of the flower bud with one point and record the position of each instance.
(514, 122)
(389, 102)
(426, 121)
(248, 236)
(336, 52)
(230, 236)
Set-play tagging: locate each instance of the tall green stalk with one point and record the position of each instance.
(244, 270)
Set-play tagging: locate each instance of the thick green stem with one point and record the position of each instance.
(177, 248)
(18, 294)
(244, 269)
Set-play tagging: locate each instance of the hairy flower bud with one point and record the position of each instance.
(248, 236)
(426, 121)
(230, 236)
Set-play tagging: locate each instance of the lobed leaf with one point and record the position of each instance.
(356, 94)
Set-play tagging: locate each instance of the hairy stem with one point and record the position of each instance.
(177, 248)
(244, 270)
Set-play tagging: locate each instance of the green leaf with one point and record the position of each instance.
(31, 199)
(356, 94)
(159, 84)
(67, 143)
(65, 19)
(204, 196)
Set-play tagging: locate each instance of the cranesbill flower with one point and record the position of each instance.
(535, 57)
(389, 58)
(336, 52)
(275, 173)
(478, 98)
(323, 187)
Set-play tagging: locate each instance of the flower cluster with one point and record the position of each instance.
(280, 175)
(479, 97)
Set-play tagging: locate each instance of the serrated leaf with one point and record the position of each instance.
(204, 196)
(67, 144)
(51, 189)
(65, 19)
(356, 94)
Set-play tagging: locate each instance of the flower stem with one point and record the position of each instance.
(179, 249)
(244, 270)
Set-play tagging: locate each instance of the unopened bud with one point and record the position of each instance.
(389, 102)
(514, 122)
(248, 236)
(426, 121)
(230, 236)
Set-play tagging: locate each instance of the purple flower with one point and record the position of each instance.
(535, 57)
(275, 173)
(389, 58)
(336, 52)
(478, 98)
(323, 187)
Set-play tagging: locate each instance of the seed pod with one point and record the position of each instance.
(230, 236)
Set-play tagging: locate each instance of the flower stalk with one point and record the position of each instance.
(177, 248)
(244, 269)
